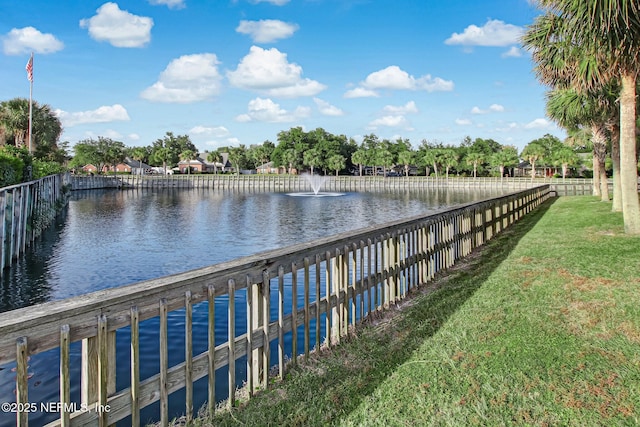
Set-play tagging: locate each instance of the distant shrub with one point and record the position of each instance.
(42, 168)
(11, 169)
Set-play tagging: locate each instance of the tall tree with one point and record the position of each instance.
(188, 155)
(405, 158)
(597, 110)
(289, 157)
(312, 158)
(99, 153)
(534, 153)
(359, 157)
(237, 157)
(433, 157)
(336, 162)
(167, 150)
(590, 43)
(14, 126)
(139, 154)
(474, 159)
(564, 157)
(215, 158)
(504, 158)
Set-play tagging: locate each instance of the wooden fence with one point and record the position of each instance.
(259, 182)
(26, 210)
(342, 280)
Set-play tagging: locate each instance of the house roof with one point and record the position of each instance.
(196, 161)
(268, 165)
(135, 163)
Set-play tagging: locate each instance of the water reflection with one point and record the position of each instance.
(112, 238)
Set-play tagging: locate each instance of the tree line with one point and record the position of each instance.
(316, 151)
(319, 151)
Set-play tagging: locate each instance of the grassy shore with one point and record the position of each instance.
(541, 327)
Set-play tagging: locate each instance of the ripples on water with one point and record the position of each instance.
(112, 238)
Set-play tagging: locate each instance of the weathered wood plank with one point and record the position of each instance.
(231, 317)
(188, 356)
(211, 350)
(281, 349)
(135, 367)
(294, 312)
(22, 375)
(65, 380)
(164, 365)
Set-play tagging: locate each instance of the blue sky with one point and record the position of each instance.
(229, 72)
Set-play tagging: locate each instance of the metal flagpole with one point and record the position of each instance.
(30, 77)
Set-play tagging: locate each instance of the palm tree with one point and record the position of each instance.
(533, 152)
(564, 157)
(139, 153)
(384, 158)
(359, 157)
(449, 158)
(14, 123)
(474, 159)
(188, 155)
(506, 157)
(289, 156)
(589, 44)
(406, 158)
(597, 110)
(433, 157)
(236, 156)
(336, 162)
(162, 154)
(312, 158)
(215, 158)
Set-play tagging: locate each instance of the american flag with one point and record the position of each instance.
(29, 68)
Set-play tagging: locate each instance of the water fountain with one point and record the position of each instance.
(315, 181)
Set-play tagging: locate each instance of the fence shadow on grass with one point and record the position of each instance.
(335, 381)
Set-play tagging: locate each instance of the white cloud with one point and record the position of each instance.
(218, 131)
(493, 108)
(538, 124)
(118, 27)
(265, 110)
(267, 30)
(513, 52)
(189, 78)
(390, 121)
(134, 137)
(269, 72)
(493, 33)
(327, 109)
(409, 108)
(361, 92)
(508, 127)
(394, 78)
(172, 4)
(463, 122)
(104, 114)
(25, 40)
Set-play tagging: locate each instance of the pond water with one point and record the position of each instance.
(110, 238)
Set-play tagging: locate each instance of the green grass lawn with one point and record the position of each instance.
(540, 327)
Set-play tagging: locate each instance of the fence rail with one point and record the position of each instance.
(574, 186)
(26, 210)
(341, 280)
